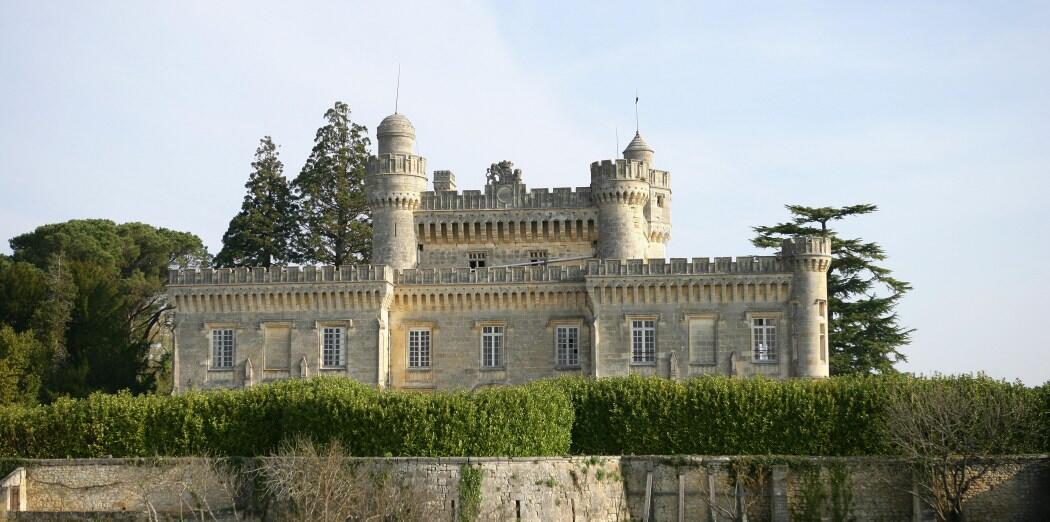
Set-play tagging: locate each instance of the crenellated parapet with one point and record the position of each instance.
(560, 197)
(494, 275)
(808, 253)
(280, 274)
(683, 266)
(397, 164)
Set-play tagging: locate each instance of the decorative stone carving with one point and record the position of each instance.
(249, 371)
(672, 370)
(503, 173)
(304, 367)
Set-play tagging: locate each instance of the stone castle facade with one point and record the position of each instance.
(506, 285)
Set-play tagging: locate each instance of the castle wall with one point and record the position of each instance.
(703, 311)
(543, 488)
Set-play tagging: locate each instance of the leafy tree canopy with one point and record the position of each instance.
(261, 233)
(865, 331)
(334, 219)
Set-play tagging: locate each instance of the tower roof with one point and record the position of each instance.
(638, 144)
(396, 124)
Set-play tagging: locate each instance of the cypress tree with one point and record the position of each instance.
(261, 233)
(865, 330)
(335, 225)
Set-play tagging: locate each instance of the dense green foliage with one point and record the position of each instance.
(634, 415)
(528, 420)
(731, 416)
(90, 294)
(261, 233)
(335, 226)
(865, 332)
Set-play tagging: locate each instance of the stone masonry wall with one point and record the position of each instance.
(564, 488)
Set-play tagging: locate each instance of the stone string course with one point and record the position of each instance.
(550, 489)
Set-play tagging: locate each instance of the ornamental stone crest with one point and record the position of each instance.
(503, 173)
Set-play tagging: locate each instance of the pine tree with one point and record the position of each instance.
(335, 226)
(261, 233)
(865, 331)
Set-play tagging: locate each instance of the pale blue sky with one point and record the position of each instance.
(938, 112)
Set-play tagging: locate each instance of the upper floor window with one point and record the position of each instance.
(764, 338)
(492, 347)
(537, 256)
(567, 342)
(643, 341)
(222, 348)
(660, 201)
(477, 259)
(419, 348)
(333, 353)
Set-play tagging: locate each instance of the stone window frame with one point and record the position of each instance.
(778, 329)
(486, 255)
(629, 320)
(480, 326)
(566, 322)
(689, 316)
(209, 331)
(263, 325)
(408, 327)
(346, 325)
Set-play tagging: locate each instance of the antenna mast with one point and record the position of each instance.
(636, 127)
(397, 88)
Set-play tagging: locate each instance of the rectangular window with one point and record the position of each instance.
(822, 307)
(702, 340)
(537, 256)
(567, 339)
(823, 343)
(419, 348)
(492, 347)
(643, 341)
(477, 259)
(764, 338)
(332, 353)
(222, 348)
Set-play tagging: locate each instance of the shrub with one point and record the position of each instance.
(732, 416)
(529, 420)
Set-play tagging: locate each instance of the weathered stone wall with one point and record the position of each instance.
(569, 489)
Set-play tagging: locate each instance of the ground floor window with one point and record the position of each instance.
(567, 340)
(492, 347)
(222, 348)
(764, 338)
(419, 348)
(333, 353)
(643, 341)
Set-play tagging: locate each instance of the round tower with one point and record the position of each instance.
(393, 183)
(621, 190)
(809, 258)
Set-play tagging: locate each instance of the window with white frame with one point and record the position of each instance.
(567, 342)
(222, 348)
(764, 338)
(643, 341)
(477, 259)
(333, 353)
(419, 348)
(492, 346)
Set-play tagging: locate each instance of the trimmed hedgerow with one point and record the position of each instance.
(732, 416)
(529, 420)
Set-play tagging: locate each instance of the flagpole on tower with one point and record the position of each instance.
(637, 129)
(397, 88)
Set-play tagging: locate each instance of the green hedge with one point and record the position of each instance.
(615, 416)
(732, 416)
(530, 420)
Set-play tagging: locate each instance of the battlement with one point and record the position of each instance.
(659, 178)
(620, 169)
(806, 245)
(683, 266)
(396, 163)
(281, 274)
(508, 274)
(561, 197)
